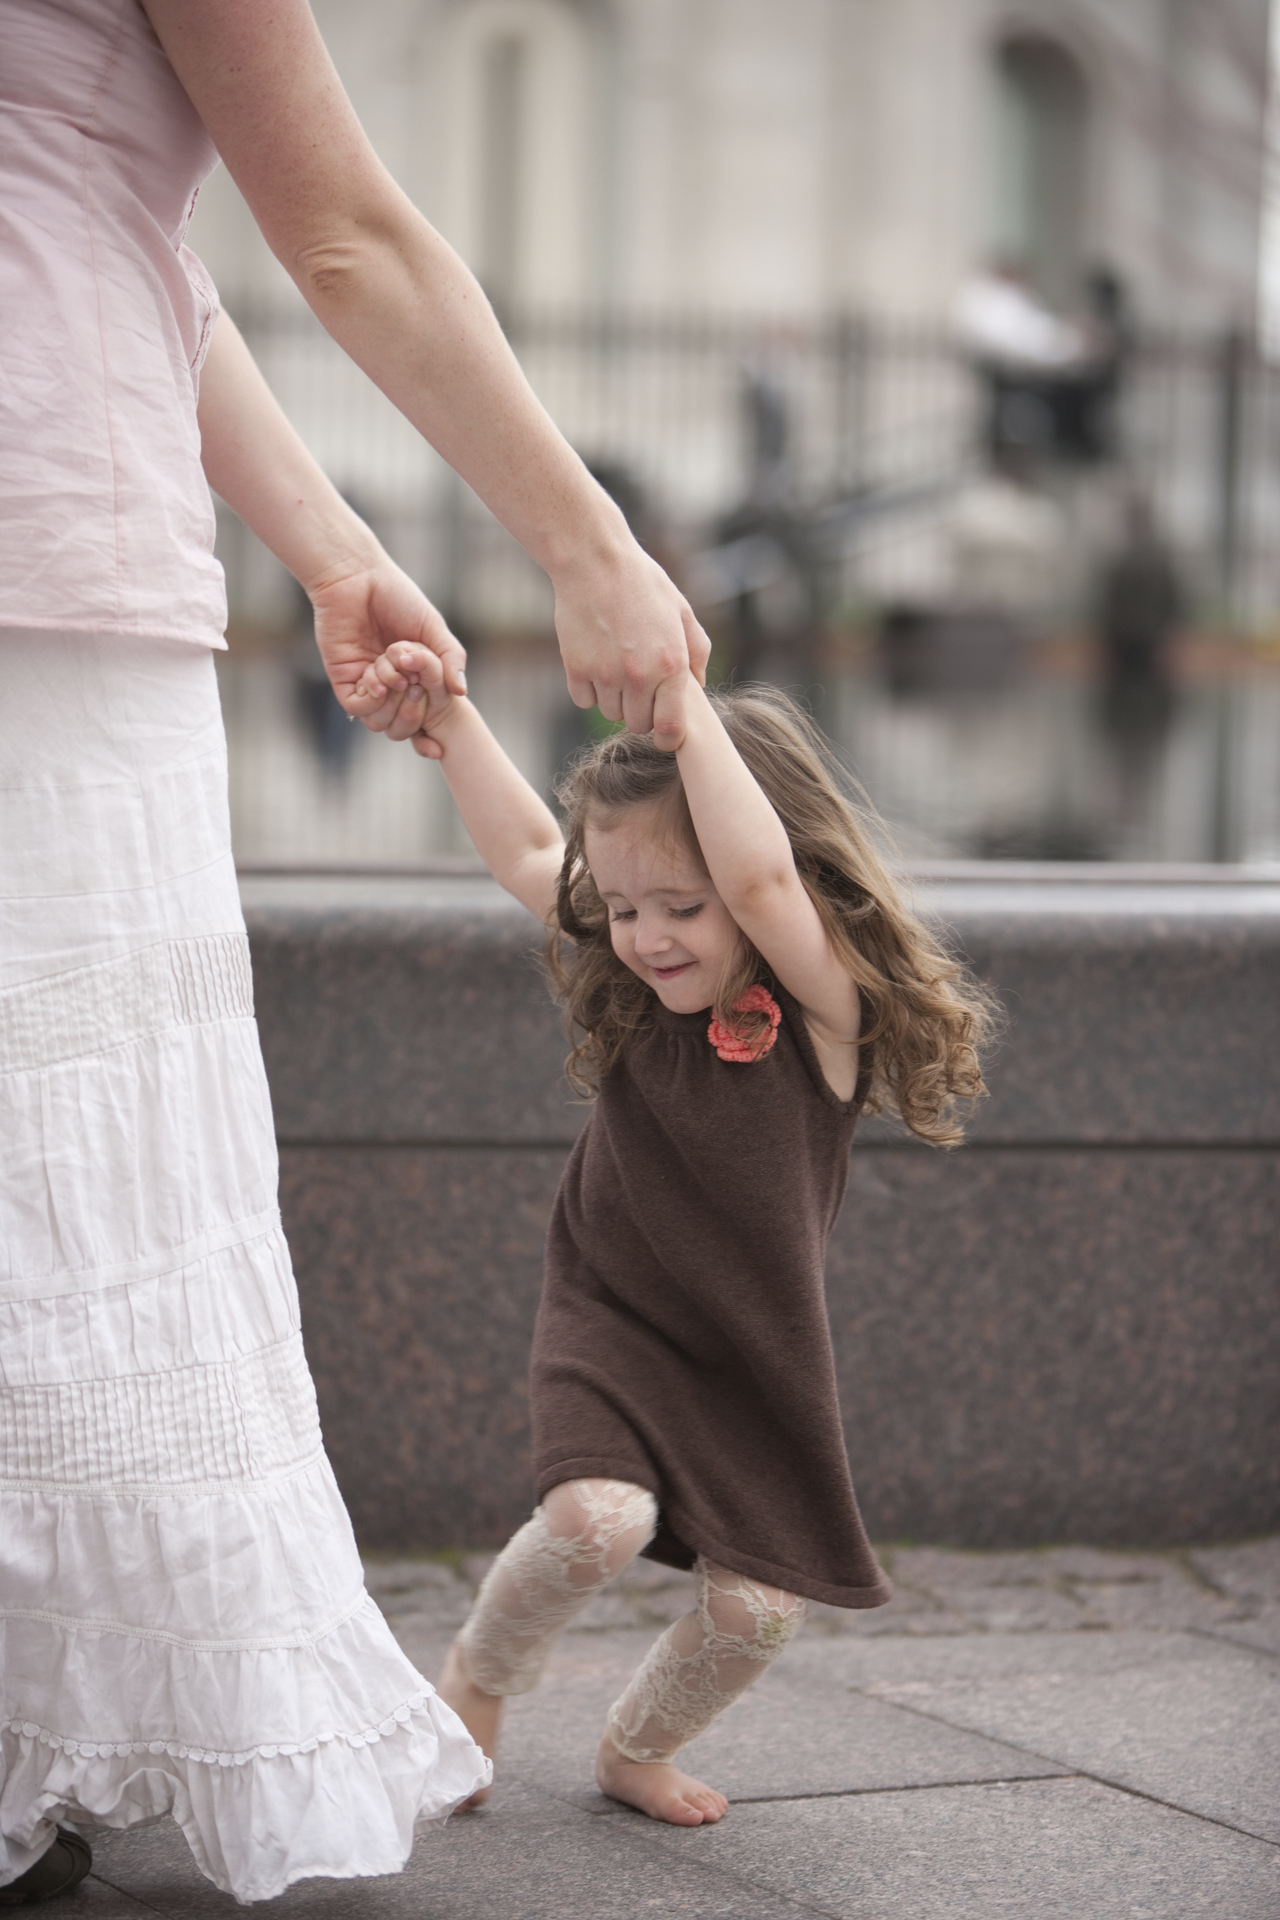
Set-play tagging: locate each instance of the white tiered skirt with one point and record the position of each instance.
(183, 1623)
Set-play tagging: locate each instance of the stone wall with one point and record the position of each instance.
(1067, 1330)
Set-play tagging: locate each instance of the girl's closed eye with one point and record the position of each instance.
(686, 913)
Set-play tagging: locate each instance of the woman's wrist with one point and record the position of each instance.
(337, 553)
(592, 547)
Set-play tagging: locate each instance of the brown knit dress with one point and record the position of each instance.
(682, 1341)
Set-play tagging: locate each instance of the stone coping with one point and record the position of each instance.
(1141, 1010)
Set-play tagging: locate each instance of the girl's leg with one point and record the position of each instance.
(691, 1674)
(581, 1537)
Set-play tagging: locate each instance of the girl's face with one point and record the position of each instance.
(666, 920)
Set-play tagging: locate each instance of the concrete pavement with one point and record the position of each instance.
(1065, 1734)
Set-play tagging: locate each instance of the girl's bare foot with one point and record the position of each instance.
(657, 1788)
(480, 1713)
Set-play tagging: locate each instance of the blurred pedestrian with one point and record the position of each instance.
(1051, 382)
(185, 1629)
(1139, 604)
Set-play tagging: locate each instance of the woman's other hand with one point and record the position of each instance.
(629, 640)
(363, 602)
(358, 618)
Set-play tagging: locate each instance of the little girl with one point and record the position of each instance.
(741, 980)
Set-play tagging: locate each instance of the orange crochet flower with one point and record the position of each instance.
(731, 1043)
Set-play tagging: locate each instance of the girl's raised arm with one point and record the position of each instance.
(515, 832)
(752, 868)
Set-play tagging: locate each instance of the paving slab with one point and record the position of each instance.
(1064, 1589)
(1170, 1705)
(528, 1856)
(97, 1901)
(1032, 1850)
(1186, 1718)
(1233, 1591)
(1068, 1731)
(796, 1733)
(1248, 1576)
(421, 1594)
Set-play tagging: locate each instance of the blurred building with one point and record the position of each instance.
(808, 156)
(727, 239)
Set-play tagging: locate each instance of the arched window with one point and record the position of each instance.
(1040, 159)
(518, 160)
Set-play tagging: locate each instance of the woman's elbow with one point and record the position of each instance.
(331, 272)
(352, 252)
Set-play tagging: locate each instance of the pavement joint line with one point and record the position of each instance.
(733, 1876)
(980, 1630)
(1227, 1640)
(124, 1892)
(1185, 1557)
(902, 1786)
(1079, 1773)
(633, 1837)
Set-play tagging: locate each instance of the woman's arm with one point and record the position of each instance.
(362, 600)
(400, 301)
(749, 858)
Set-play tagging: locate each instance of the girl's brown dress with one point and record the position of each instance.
(682, 1341)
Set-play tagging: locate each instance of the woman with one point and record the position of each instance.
(185, 1627)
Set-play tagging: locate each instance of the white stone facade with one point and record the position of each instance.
(804, 157)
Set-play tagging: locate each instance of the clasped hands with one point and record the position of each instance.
(628, 638)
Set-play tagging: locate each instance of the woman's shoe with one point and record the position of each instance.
(59, 1869)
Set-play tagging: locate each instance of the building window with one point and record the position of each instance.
(502, 113)
(1041, 139)
(517, 160)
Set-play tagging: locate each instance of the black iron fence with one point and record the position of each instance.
(810, 484)
(866, 432)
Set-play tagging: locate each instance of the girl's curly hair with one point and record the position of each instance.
(924, 1015)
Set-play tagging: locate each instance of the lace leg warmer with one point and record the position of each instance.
(580, 1538)
(702, 1663)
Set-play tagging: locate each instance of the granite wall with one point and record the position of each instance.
(1067, 1330)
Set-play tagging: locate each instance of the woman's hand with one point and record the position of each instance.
(629, 641)
(362, 615)
(363, 602)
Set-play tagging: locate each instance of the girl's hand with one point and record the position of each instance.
(412, 673)
(367, 623)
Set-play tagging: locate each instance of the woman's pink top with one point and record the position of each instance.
(106, 525)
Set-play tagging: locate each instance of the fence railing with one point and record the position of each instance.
(687, 416)
(850, 453)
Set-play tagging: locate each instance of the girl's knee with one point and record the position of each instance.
(607, 1520)
(747, 1610)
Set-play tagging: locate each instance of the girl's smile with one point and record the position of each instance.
(666, 920)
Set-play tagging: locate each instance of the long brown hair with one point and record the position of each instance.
(924, 1016)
